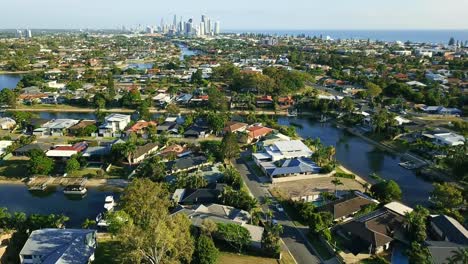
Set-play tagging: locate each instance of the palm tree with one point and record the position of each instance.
(459, 256)
(336, 182)
(129, 151)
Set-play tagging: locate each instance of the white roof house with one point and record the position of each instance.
(286, 150)
(4, 144)
(114, 123)
(449, 139)
(398, 208)
(7, 123)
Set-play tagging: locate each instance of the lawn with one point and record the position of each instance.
(232, 258)
(107, 252)
(13, 169)
(320, 247)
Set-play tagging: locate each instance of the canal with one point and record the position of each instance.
(363, 158)
(352, 152)
(17, 198)
(9, 80)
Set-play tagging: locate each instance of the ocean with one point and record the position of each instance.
(426, 36)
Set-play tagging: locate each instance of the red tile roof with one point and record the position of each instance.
(258, 131)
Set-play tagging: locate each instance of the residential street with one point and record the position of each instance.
(292, 237)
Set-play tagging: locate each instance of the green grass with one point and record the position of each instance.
(86, 172)
(232, 258)
(320, 247)
(13, 169)
(108, 252)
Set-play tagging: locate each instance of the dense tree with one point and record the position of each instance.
(235, 235)
(205, 251)
(446, 196)
(39, 163)
(8, 97)
(386, 191)
(415, 222)
(153, 235)
(72, 165)
(152, 168)
(216, 100)
(459, 256)
(271, 240)
(418, 253)
(238, 198)
(373, 90)
(229, 147)
(197, 77)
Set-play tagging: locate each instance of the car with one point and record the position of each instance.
(279, 208)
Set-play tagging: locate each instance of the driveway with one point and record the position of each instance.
(292, 237)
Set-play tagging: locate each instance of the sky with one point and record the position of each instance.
(238, 14)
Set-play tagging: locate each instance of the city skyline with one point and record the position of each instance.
(241, 15)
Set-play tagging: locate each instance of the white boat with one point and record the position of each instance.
(324, 119)
(292, 113)
(75, 189)
(109, 203)
(101, 222)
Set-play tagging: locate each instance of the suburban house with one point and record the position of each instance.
(449, 236)
(24, 150)
(290, 169)
(283, 150)
(445, 228)
(4, 144)
(55, 127)
(373, 233)
(143, 151)
(209, 194)
(64, 152)
(162, 99)
(256, 132)
(235, 127)
(167, 127)
(440, 110)
(444, 137)
(7, 123)
(59, 246)
(141, 127)
(114, 123)
(222, 214)
(74, 130)
(187, 163)
(197, 131)
(264, 101)
(174, 150)
(345, 207)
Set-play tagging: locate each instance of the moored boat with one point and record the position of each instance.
(75, 189)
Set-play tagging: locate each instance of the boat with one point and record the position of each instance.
(409, 165)
(75, 189)
(109, 203)
(101, 221)
(37, 187)
(324, 119)
(292, 113)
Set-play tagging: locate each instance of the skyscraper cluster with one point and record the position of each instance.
(23, 33)
(206, 27)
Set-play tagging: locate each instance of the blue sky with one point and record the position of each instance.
(239, 14)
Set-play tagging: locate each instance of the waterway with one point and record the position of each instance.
(9, 80)
(363, 158)
(17, 198)
(352, 152)
(186, 52)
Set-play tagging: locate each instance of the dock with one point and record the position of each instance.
(42, 183)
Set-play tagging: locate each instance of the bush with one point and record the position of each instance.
(345, 175)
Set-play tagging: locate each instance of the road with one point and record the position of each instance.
(292, 237)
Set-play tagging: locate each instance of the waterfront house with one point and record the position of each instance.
(141, 128)
(143, 151)
(55, 127)
(53, 245)
(348, 205)
(290, 169)
(81, 126)
(24, 150)
(440, 251)
(264, 101)
(65, 152)
(283, 150)
(446, 228)
(113, 124)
